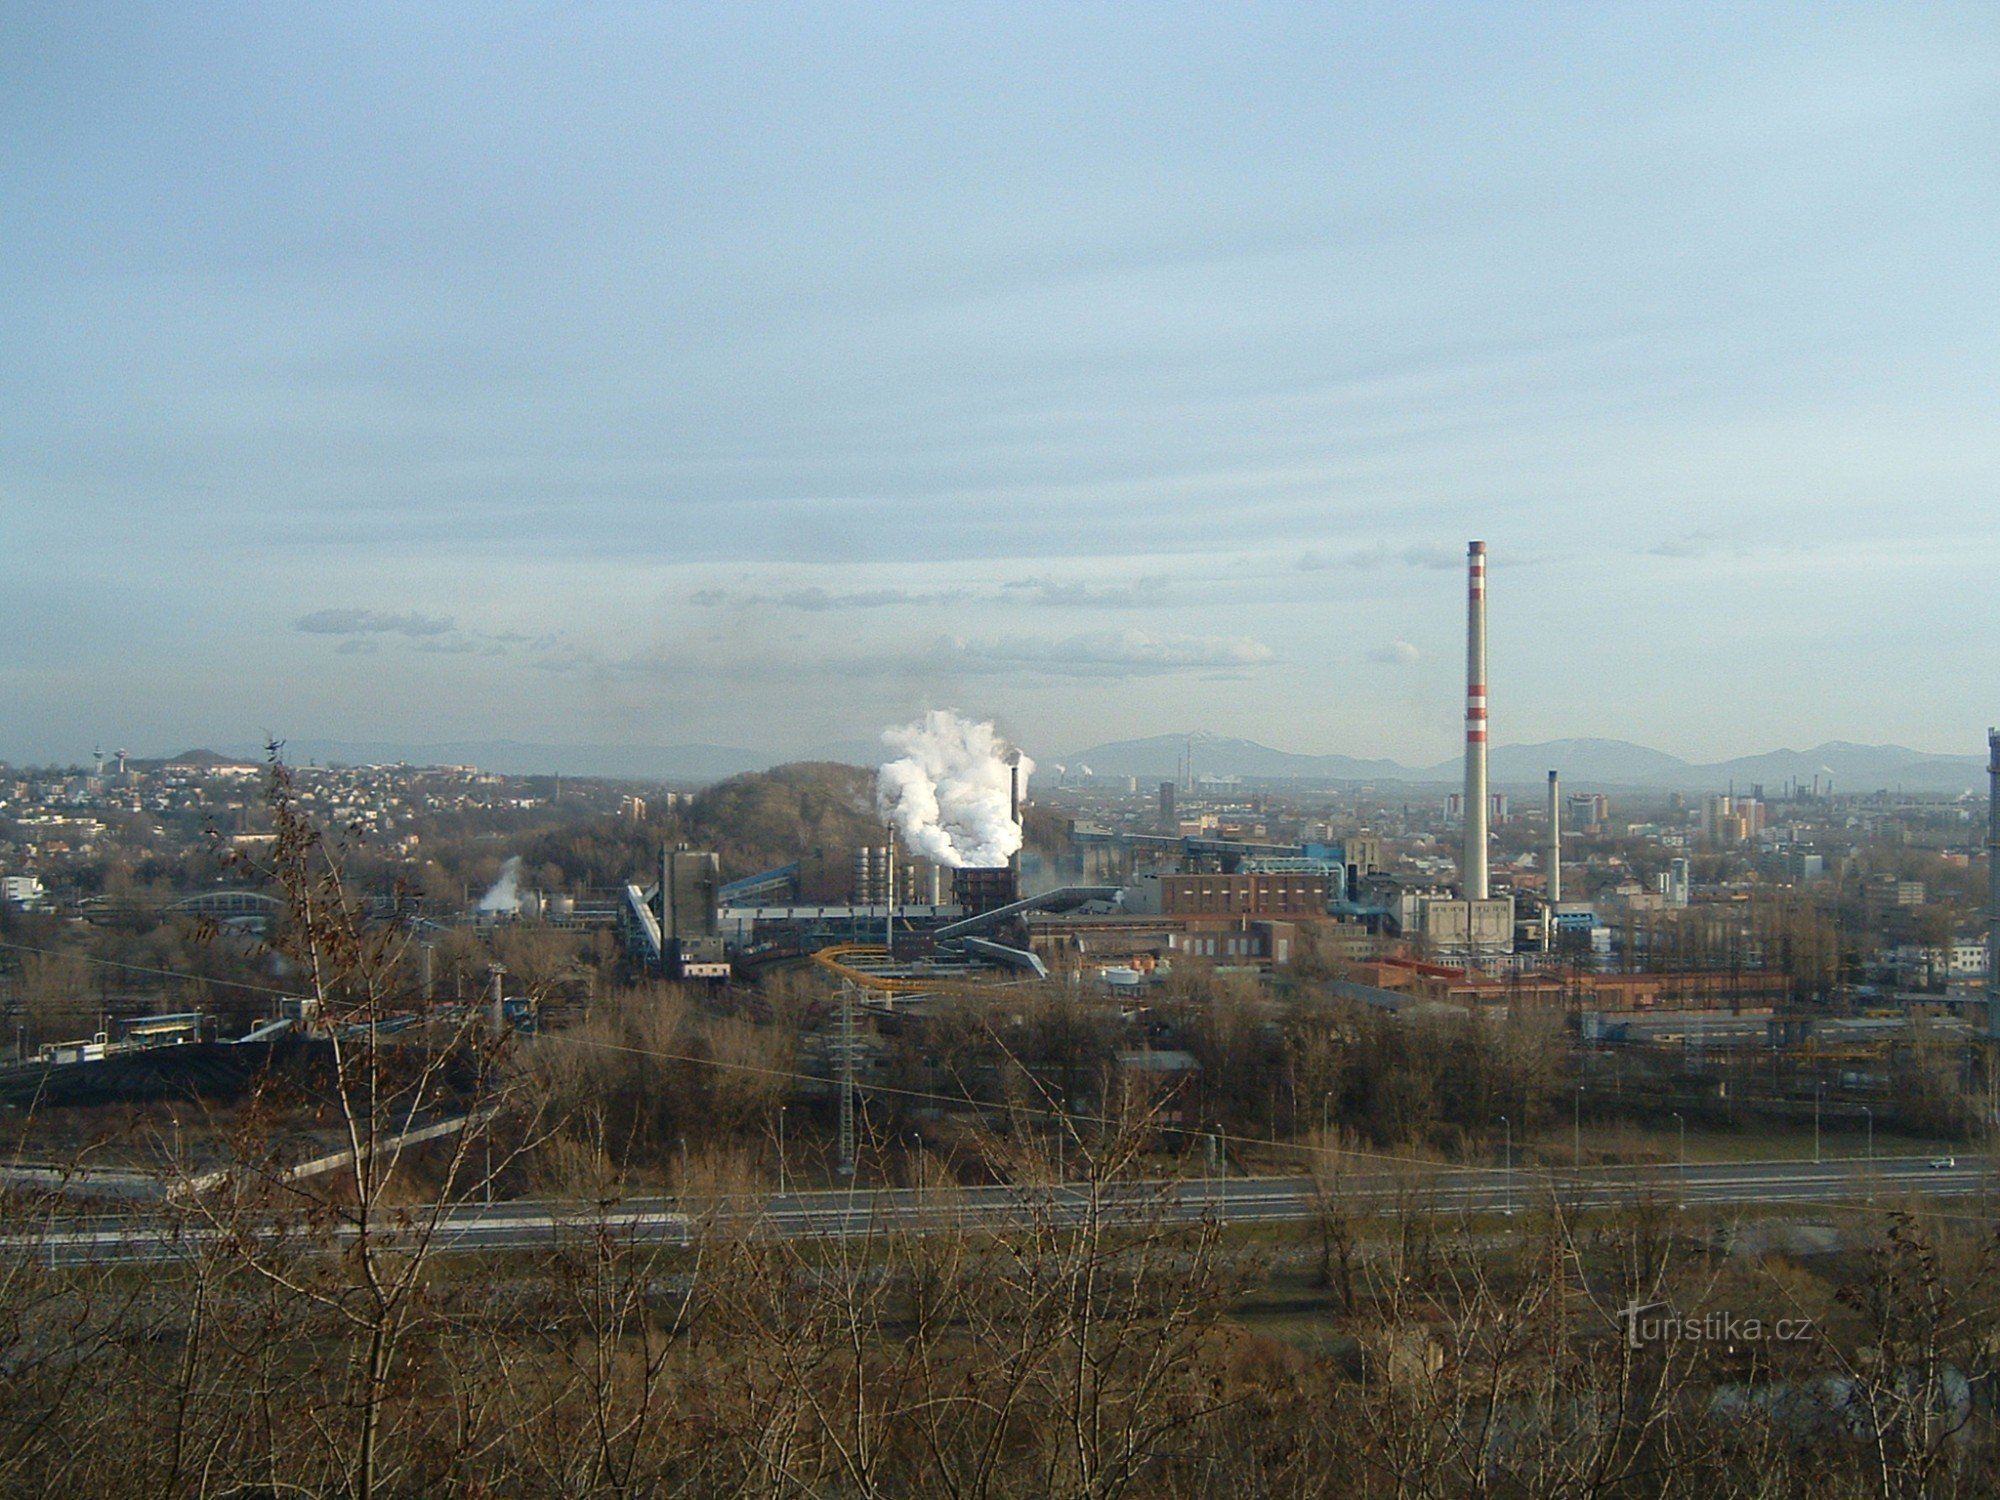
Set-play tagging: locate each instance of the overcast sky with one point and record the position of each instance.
(762, 375)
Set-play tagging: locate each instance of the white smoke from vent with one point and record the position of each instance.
(949, 795)
(505, 897)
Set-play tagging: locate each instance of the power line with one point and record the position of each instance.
(112, 963)
(932, 1097)
(790, 1075)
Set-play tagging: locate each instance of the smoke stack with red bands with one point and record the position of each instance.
(1473, 867)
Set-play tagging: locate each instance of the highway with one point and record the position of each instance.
(150, 1235)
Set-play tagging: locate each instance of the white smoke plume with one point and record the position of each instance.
(505, 897)
(949, 794)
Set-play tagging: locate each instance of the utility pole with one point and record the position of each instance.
(1576, 1128)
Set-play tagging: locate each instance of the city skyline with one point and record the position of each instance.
(742, 379)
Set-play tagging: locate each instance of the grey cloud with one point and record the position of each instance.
(1077, 594)
(1426, 555)
(1124, 653)
(1108, 655)
(1689, 544)
(566, 656)
(372, 622)
(436, 635)
(814, 599)
(821, 599)
(1396, 654)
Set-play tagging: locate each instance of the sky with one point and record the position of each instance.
(763, 375)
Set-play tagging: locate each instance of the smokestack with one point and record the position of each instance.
(889, 896)
(1993, 884)
(1473, 867)
(1014, 811)
(1555, 840)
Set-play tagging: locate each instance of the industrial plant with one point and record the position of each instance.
(1707, 953)
(815, 1001)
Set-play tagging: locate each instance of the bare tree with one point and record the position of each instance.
(411, 1096)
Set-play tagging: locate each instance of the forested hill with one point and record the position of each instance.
(768, 818)
(815, 812)
(812, 811)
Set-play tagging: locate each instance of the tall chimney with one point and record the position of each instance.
(1993, 884)
(1473, 867)
(1555, 840)
(1014, 810)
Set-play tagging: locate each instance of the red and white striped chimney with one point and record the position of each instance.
(1473, 867)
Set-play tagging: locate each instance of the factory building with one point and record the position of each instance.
(1260, 894)
(1452, 928)
(690, 934)
(977, 891)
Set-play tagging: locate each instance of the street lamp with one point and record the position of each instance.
(1819, 1087)
(1507, 1168)
(1683, 1124)
(781, 1150)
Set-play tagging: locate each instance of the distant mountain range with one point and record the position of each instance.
(1582, 763)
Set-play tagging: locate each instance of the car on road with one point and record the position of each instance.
(1939, 1163)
